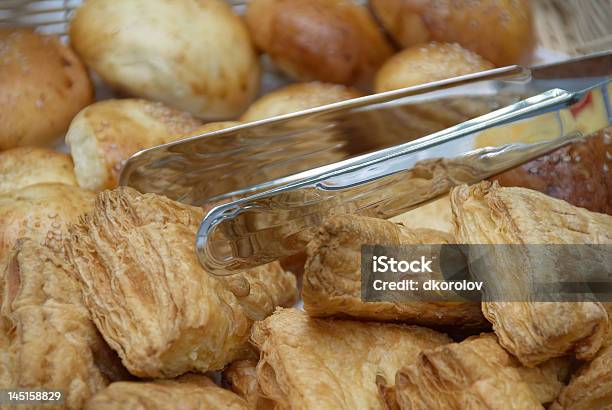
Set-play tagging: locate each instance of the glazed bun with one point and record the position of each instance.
(193, 55)
(335, 41)
(501, 31)
(105, 134)
(579, 173)
(298, 97)
(42, 86)
(426, 63)
(42, 213)
(25, 166)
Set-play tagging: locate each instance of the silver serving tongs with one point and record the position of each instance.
(281, 214)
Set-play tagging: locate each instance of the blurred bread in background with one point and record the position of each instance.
(24, 166)
(105, 134)
(298, 97)
(427, 63)
(193, 55)
(41, 212)
(501, 31)
(42, 86)
(335, 41)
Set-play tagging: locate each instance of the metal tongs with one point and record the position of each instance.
(380, 155)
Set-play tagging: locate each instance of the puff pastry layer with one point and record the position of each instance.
(48, 339)
(474, 374)
(189, 392)
(332, 275)
(533, 331)
(309, 363)
(149, 296)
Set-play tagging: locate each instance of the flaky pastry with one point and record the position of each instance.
(590, 387)
(188, 392)
(533, 331)
(150, 298)
(474, 374)
(332, 364)
(332, 275)
(50, 340)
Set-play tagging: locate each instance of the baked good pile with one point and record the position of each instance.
(102, 295)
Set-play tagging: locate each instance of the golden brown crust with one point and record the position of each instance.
(189, 392)
(42, 86)
(241, 376)
(25, 166)
(579, 173)
(590, 387)
(51, 341)
(336, 41)
(332, 275)
(331, 364)
(297, 97)
(148, 294)
(41, 212)
(426, 63)
(474, 374)
(433, 215)
(198, 58)
(534, 332)
(105, 134)
(500, 31)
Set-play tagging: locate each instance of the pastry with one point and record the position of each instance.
(297, 97)
(309, 363)
(25, 166)
(533, 331)
(149, 296)
(426, 63)
(105, 134)
(590, 387)
(332, 275)
(188, 392)
(193, 55)
(335, 41)
(500, 31)
(474, 374)
(41, 212)
(42, 86)
(51, 342)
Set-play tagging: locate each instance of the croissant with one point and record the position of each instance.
(474, 374)
(332, 275)
(188, 392)
(533, 331)
(310, 363)
(149, 296)
(48, 339)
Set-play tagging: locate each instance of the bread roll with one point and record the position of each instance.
(105, 134)
(24, 166)
(426, 63)
(499, 30)
(194, 55)
(42, 86)
(41, 212)
(579, 173)
(298, 97)
(328, 40)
